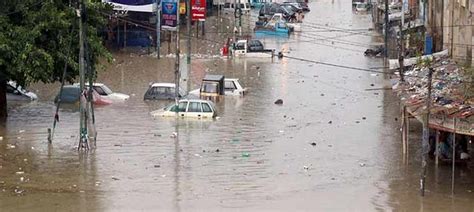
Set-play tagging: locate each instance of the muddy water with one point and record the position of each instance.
(265, 160)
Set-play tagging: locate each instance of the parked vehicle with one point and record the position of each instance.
(243, 5)
(257, 3)
(217, 85)
(278, 17)
(106, 93)
(270, 9)
(17, 93)
(193, 108)
(212, 86)
(361, 7)
(295, 7)
(251, 49)
(280, 28)
(72, 93)
(162, 91)
(302, 3)
(233, 87)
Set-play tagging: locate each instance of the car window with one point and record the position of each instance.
(229, 85)
(194, 107)
(100, 91)
(173, 108)
(240, 46)
(206, 108)
(170, 92)
(209, 88)
(182, 106)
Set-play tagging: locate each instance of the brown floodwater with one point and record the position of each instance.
(265, 160)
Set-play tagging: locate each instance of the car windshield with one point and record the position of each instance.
(106, 90)
(360, 5)
(209, 87)
(173, 108)
(288, 7)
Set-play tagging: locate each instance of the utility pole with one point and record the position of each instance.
(188, 26)
(426, 134)
(158, 28)
(82, 126)
(233, 28)
(386, 28)
(401, 53)
(176, 67)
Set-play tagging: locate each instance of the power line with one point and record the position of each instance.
(308, 60)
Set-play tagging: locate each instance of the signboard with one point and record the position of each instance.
(169, 20)
(198, 10)
(133, 5)
(182, 8)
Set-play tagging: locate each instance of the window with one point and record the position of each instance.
(240, 46)
(100, 91)
(194, 107)
(206, 108)
(229, 85)
(210, 88)
(182, 106)
(173, 108)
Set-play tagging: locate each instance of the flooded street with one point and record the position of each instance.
(257, 156)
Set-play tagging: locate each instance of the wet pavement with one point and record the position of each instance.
(257, 156)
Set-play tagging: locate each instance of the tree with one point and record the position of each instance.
(37, 38)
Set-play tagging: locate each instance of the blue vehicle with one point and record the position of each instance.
(257, 4)
(279, 28)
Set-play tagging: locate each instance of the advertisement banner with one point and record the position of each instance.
(169, 18)
(198, 10)
(182, 8)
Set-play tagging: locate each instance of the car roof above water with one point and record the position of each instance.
(170, 85)
(213, 77)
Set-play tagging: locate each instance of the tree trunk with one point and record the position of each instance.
(3, 99)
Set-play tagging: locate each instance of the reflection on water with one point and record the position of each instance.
(256, 156)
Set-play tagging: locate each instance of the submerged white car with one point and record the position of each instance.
(194, 108)
(106, 93)
(232, 87)
(17, 93)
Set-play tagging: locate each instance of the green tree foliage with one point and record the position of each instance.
(37, 35)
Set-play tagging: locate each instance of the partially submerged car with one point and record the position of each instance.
(162, 91)
(251, 49)
(71, 94)
(361, 7)
(194, 108)
(217, 85)
(232, 86)
(17, 93)
(106, 92)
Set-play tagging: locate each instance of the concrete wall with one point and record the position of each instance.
(457, 29)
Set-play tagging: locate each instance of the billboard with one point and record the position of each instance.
(198, 10)
(133, 5)
(169, 19)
